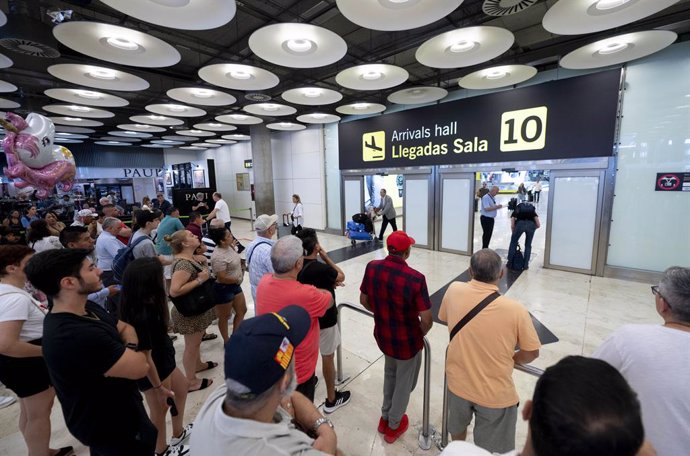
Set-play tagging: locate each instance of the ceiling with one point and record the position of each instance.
(229, 44)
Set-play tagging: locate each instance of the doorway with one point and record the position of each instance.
(393, 184)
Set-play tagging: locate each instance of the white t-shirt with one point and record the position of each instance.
(47, 243)
(460, 448)
(655, 360)
(18, 305)
(222, 211)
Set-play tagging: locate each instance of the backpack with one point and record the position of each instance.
(123, 257)
(518, 262)
(526, 209)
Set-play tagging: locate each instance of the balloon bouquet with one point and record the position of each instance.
(32, 157)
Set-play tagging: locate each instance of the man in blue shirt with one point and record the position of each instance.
(489, 209)
(170, 224)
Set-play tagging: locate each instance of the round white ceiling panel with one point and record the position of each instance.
(239, 119)
(79, 130)
(577, 17)
(67, 141)
(179, 14)
(269, 109)
(417, 95)
(220, 141)
(499, 76)
(7, 87)
(70, 135)
(155, 146)
(286, 126)
(98, 77)
(76, 121)
(116, 44)
(8, 104)
(5, 62)
(464, 47)
(118, 138)
(113, 143)
(168, 142)
(311, 96)
(297, 45)
(79, 111)
(205, 145)
(318, 118)
(360, 108)
(238, 77)
(3, 19)
(201, 96)
(177, 110)
(197, 133)
(618, 49)
(130, 134)
(154, 119)
(180, 138)
(215, 126)
(237, 137)
(87, 97)
(192, 148)
(389, 15)
(375, 76)
(141, 128)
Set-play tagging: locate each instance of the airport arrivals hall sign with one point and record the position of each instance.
(569, 118)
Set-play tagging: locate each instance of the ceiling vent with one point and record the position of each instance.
(506, 7)
(257, 97)
(27, 36)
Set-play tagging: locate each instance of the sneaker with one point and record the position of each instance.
(176, 441)
(391, 435)
(341, 399)
(383, 425)
(6, 401)
(181, 450)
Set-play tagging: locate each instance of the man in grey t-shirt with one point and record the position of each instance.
(260, 382)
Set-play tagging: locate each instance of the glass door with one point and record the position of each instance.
(456, 218)
(353, 199)
(418, 216)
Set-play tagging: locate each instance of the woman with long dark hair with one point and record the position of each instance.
(22, 368)
(144, 306)
(40, 238)
(55, 226)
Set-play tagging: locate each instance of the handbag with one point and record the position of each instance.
(197, 301)
(518, 262)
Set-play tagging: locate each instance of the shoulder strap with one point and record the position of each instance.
(249, 258)
(473, 313)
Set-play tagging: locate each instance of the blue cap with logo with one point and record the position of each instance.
(259, 352)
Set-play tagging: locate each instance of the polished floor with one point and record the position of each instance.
(580, 310)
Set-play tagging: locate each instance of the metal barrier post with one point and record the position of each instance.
(427, 433)
(444, 421)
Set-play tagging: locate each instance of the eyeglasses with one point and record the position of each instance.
(655, 292)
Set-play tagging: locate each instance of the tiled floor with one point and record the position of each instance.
(581, 310)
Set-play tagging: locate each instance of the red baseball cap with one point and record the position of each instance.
(399, 241)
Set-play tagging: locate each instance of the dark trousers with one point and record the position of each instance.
(308, 388)
(384, 225)
(522, 226)
(536, 196)
(487, 230)
(142, 443)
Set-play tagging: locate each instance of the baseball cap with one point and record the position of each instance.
(399, 241)
(264, 221)
(86, 213)
(259, 352)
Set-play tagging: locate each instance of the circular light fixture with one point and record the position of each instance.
(318, 118)
(201, 96)
(464, 47)
(239, 119)
(241, 75)
(311, 96)
(269, 109)
(360, 108)
(300, 46)
(496, 77)
(5, 62)
(86, 97)
(311, 93)
(496, 74)
(213, 126)
(8, 104)
(612, 48)
(297, 45)
(89, 95)
(122, 43)
(69, 120)
(238, 77)
(285, 126)
(389, 15)
(202, 93)
(417, 95)
(175, 110)
(129, 134)
(179, 14)
(372, 77)
(106, 75)
(154, 119)
(98, 77)
(197, 133)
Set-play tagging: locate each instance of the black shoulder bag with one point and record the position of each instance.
(473, 313)
(199, 300)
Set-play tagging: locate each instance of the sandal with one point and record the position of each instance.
(209, 336)
(209, 365)
(205, 383)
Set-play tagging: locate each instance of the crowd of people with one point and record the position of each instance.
(86, 316)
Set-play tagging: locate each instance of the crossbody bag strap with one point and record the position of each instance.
(251, 254)
(473, 313)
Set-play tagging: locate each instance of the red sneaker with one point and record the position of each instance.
(383, 425)
(391, 435)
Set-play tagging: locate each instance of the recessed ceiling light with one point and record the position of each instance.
(88, 94)
(238, 116)
(142, 126)
(215, 125)
(176, 108)
(462, 46)
(318, 115)
(312, 93)
(270, 107)
(73, 119)
(152, 117)
(243, 75)
(299, 45)
(107, 75)
(130, 132)
(196, 132)
(285, 124)
(63, 134)
(372, 75)
(202, 93)
(612, 48)
(167, 141)
(122, 43)
(76, 108)
(496, 74)
(360, 105)
(604, 5)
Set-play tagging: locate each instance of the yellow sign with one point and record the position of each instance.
(524, 129)
(374, 146)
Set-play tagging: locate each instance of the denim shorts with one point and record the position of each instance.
(226, 292)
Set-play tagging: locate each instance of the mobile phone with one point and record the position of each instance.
(173, 407)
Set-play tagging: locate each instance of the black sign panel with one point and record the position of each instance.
(569, 118)
(672, 182)
(185, 198)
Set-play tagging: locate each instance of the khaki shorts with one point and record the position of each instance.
(167, 269)
(329, 339)
(494, 428)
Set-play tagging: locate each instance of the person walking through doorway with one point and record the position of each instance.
(388, 211)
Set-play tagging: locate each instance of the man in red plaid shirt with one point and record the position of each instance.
(399, 299)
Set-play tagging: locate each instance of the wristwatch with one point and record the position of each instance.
(319, 422)
(132, 346)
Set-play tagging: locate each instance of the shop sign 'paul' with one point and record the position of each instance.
(142, 172)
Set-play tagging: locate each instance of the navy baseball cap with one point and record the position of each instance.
(259, 352)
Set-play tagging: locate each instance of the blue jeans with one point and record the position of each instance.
(522, 226)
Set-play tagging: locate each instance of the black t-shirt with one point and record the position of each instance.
(524, 211)
(322, 276)
(153, 335)
(78, 351)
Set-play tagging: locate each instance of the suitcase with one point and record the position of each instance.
(357, 232)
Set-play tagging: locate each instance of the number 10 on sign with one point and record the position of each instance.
(524, 129)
